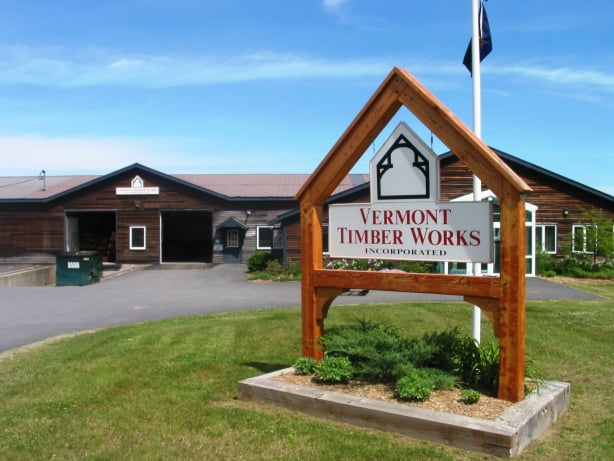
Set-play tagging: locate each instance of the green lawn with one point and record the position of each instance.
(167, 390)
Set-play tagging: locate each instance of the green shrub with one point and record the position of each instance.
(441, 379)
(419, 383)
(294, 270)
(373, 349)
(416, 386)
(488, 367)
(379, 353)
(258, 261)
(545, 264)
(442, 346)
(334, 370)
(274, 267)
(467, 356)
(415, 266)
(470, 396)
(305, 366)
(478, 365)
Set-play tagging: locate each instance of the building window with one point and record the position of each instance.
(232, 238)
(264, 237)
(137, 238)
(278, 239)
(583, 238)
(545, 236)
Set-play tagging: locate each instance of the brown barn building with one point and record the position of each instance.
(140, 215)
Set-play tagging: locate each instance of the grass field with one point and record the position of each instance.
(167, 390)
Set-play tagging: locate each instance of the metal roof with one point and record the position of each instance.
(230, 186)
(261, 185)
(37, 187)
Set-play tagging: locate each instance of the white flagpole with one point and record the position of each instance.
(477, 129)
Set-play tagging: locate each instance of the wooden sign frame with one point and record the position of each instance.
(501, 298)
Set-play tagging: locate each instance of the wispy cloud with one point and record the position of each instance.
(45, 68)
(26, 67)
(333, 5)
(562, 76)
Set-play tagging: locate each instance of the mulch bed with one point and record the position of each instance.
(447, 401)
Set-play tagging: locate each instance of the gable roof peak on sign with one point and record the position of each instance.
(400, 88)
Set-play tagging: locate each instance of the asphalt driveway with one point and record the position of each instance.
(30, 314)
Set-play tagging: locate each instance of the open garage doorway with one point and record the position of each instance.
(92, 231)
(187, 236)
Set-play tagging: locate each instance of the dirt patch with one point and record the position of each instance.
(448, 401)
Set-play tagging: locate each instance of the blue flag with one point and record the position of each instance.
(485, 39)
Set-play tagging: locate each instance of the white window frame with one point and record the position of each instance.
(573, 238)
(132, 245)
(541, 230)
(232, 238)
(258, 246)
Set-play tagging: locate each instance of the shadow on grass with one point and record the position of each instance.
(266, 367)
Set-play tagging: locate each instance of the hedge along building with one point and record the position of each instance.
(140, 215)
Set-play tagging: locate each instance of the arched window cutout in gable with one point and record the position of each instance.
(404, 168)
(406, 178)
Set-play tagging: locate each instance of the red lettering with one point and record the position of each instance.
(388, 217)
(420, 215)
(377, 214)
(436, 240)
(433, 215)
(445, 213)
(397, 234)
(365, 216)
(474, 235)
(418, 234)
(403, 217)
(460, 238)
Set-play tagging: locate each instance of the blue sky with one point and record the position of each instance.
(268, 86)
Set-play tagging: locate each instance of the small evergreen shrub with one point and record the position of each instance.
(470, 396)
(441, 379)
(334, 370)
(305, 366)
(373, 349)
(379, 353)
(258, 261)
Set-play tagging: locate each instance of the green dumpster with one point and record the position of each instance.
(80, 268)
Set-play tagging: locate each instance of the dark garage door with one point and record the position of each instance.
(187, 236)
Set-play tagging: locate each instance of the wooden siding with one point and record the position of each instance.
(35, 232)
(550, 197)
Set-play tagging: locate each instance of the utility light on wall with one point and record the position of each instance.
(565, 212)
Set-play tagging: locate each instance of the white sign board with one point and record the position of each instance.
(422, 231)
(406, 220)
(137, 187)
